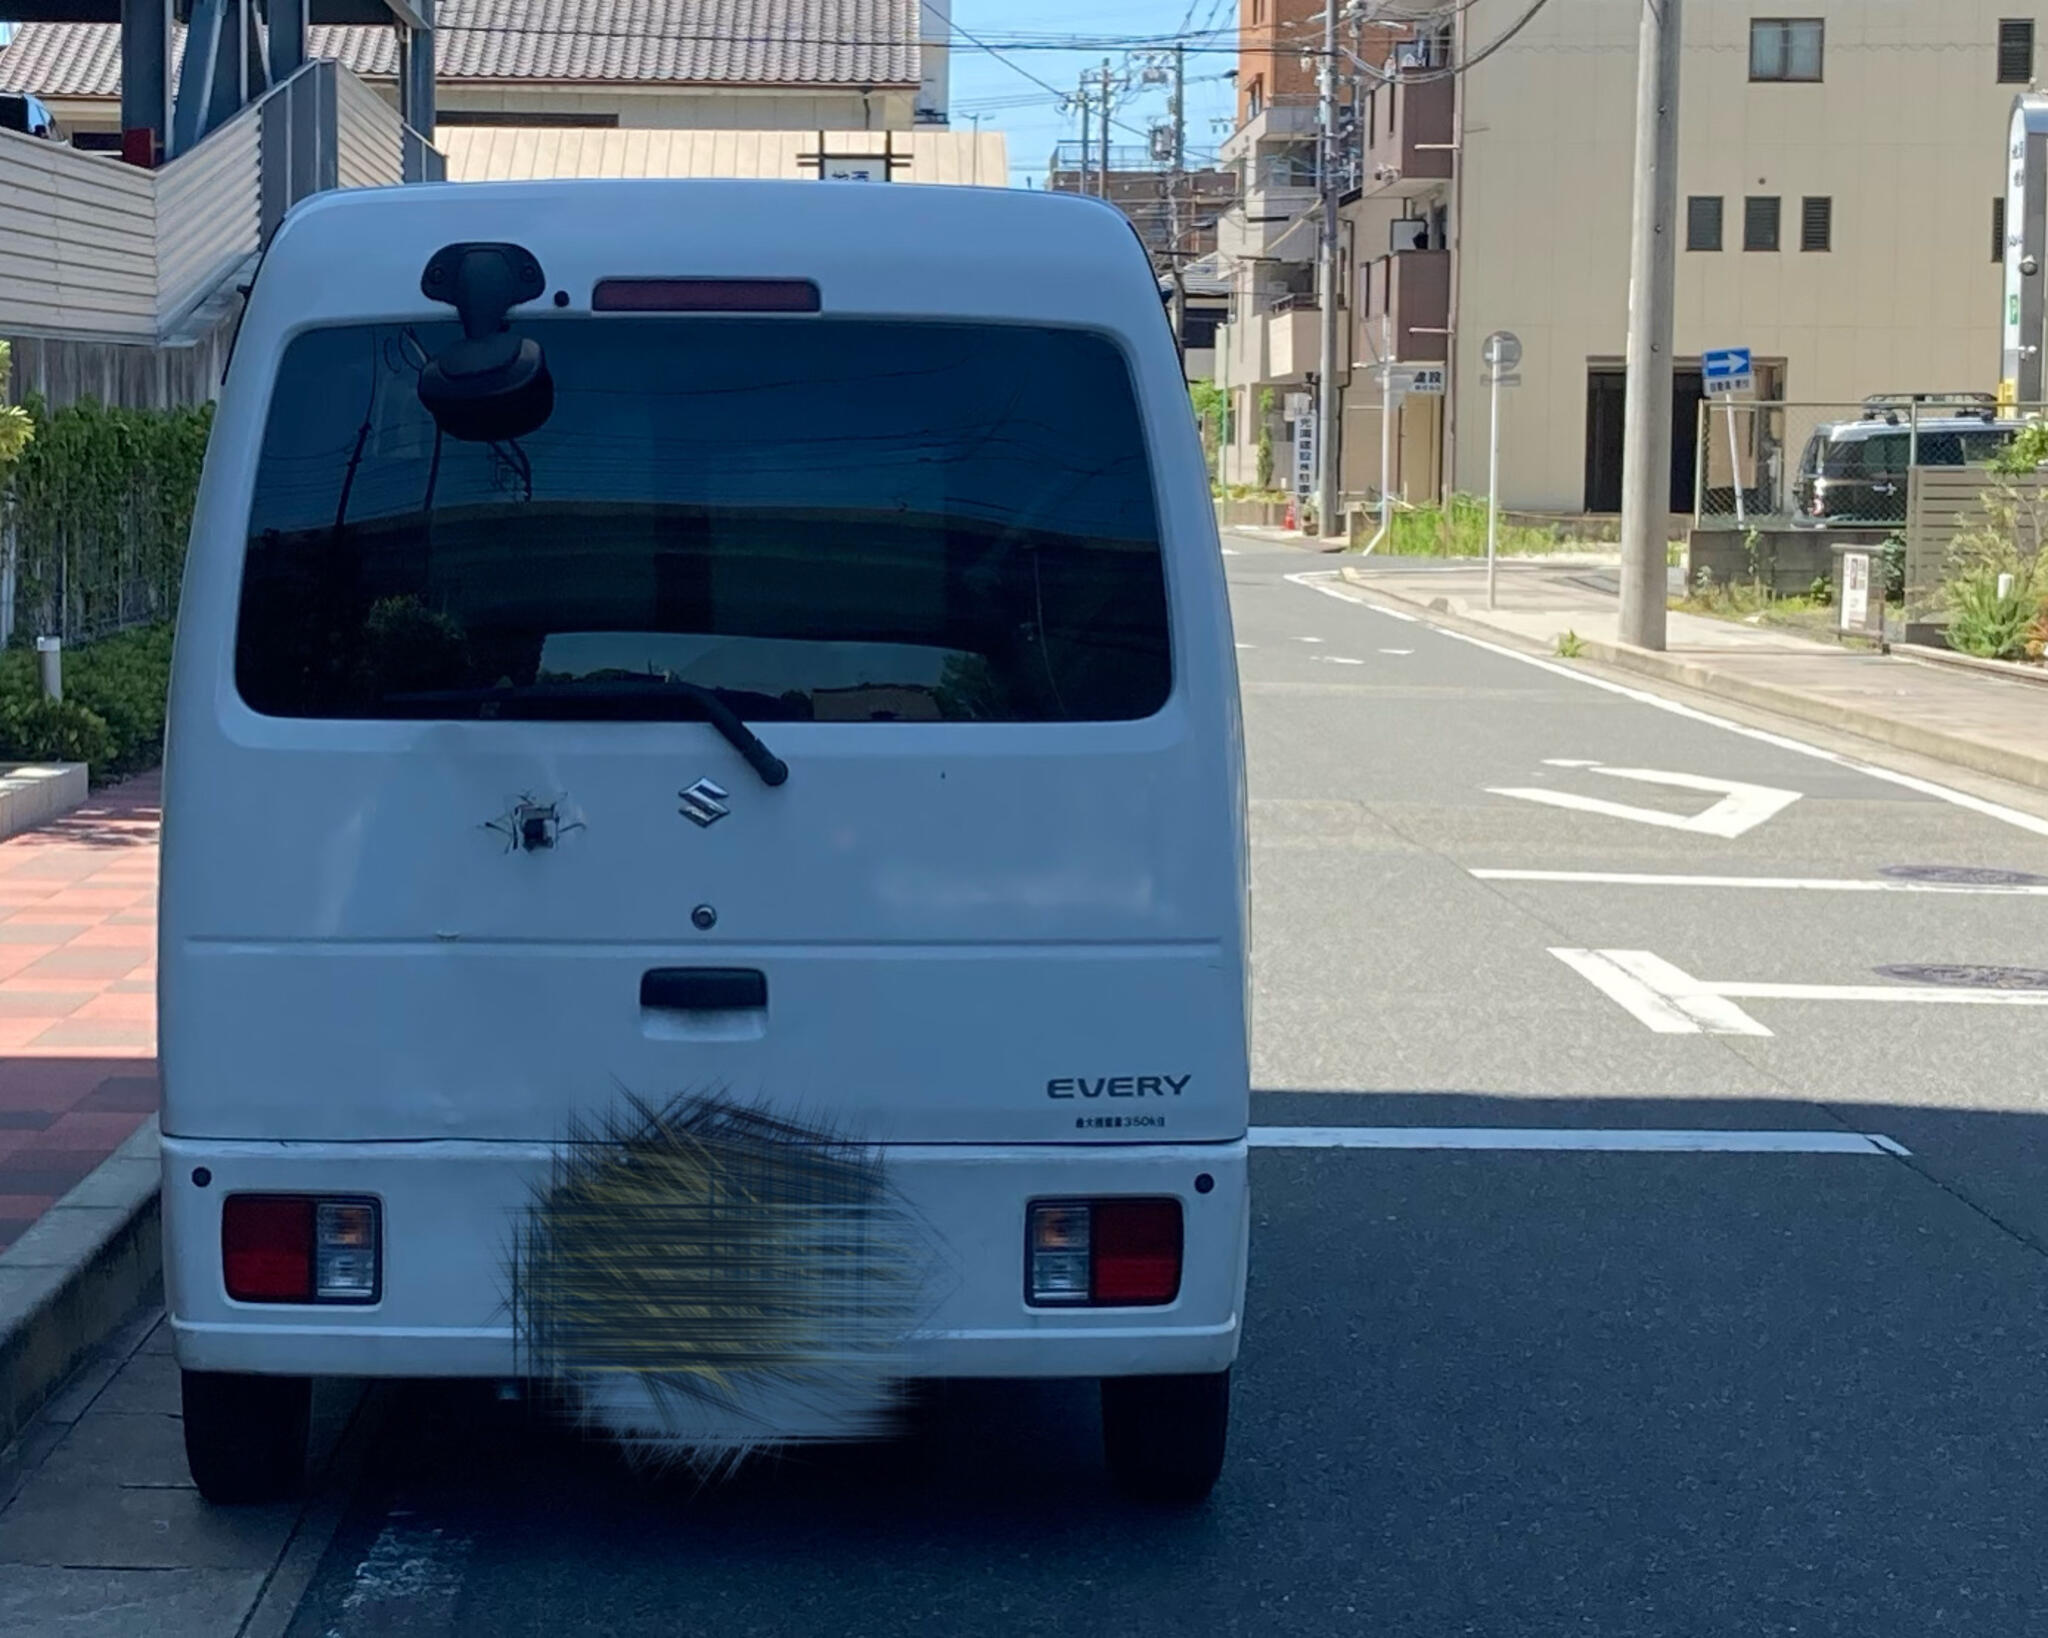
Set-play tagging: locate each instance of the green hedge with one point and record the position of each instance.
(112, 714)
(101, 504)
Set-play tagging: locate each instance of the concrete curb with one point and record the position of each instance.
(34, 793)
(2037, 675)
(2016, 766)
(68, 1283)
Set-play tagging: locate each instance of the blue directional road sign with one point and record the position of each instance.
(1725, 369)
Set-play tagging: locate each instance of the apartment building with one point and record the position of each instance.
(1841, 175)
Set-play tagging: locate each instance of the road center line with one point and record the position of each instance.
(1565, 1139)
(1789, 884)
(1891, 776)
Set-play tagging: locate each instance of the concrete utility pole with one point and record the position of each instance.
(1328, 450)
(1103, 104)
(1175, 180)
(1646, 427)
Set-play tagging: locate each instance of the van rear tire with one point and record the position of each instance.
(245, 1436)
(1164, 1436)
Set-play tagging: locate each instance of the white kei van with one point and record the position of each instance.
(705, 821)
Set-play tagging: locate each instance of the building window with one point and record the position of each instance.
(1703, 222)
(1816, 223)
(1760, 222)
(1785, 48)
(2016, 51)
(1998, 228)
(1255, 100)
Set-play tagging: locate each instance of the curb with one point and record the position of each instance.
(34, 793)
(2034, 674)
(2016, 766)
(68, 1283)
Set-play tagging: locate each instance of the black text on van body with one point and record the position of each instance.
(1118, 1086)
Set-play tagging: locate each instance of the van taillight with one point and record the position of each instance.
(298, 1248)
(1103, 1253)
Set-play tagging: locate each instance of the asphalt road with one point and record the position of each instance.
(1600, 1390)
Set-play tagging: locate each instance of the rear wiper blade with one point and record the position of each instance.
(772, 769)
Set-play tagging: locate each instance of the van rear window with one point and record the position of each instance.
(818, 519)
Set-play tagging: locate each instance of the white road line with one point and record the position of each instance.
(1932, 995)
(1891, 776)
(1789, 884)
(1708, 1008)
(1570, 1139)
(1397, 651)
(1308, 639)
(1230, 551)
(1623, 987)
(1569, 762)
(1336, 659)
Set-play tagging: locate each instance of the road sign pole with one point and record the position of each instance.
(1735, 464)
(1492, 482)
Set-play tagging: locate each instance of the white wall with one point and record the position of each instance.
(1905, 133)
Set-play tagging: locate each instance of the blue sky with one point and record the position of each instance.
(1032, 40)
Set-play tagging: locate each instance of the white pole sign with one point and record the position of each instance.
(1502, 352)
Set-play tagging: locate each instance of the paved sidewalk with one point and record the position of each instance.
(1990, 724)
(77, 995)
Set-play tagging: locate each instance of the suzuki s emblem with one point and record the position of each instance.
(704, 802)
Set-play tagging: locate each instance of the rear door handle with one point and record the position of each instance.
(703, 989)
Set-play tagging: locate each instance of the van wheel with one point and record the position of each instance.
(1164, 1435)
(245, 1436)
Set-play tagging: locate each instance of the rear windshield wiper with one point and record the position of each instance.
(772, 769)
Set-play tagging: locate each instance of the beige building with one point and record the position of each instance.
(1841, 167)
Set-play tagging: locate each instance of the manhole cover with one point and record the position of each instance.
(1962, 875)
(1970, 978)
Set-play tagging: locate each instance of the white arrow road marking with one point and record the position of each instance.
(1741, 808)
(1673, 1002)
(1669, 1001)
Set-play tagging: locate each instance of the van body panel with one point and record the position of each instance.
(445, 1308)
(977, 933)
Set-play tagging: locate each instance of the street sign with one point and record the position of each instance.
(1502, 352)
(1305, 456)
(1503, 380)
(1424, 379)
(1725, 370)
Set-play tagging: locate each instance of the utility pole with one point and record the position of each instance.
(1103, 105)
(1328, 451)
(1646, 426)
(1175, 179)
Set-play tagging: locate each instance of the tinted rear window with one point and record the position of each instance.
(817, 519)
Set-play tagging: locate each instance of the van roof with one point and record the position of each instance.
(881, 248)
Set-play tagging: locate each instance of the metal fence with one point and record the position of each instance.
(1916, 476)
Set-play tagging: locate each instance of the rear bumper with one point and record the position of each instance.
(451, 1209)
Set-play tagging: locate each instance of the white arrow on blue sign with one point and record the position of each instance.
(1725, 369)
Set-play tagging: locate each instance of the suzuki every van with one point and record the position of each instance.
(705, 867)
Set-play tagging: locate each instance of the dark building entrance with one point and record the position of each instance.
(1606, 393)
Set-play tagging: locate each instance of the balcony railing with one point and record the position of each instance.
(1409, 136)
(1408, 295)
(98, 250)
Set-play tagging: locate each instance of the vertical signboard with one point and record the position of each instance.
(2026, 246)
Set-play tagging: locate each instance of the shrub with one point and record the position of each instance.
(112, 713)
(1983, 622)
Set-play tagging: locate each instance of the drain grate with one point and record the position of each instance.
(1970, 977)
(1962, 875)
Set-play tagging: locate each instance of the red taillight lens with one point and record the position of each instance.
(1137, 1251)
(266, 1247)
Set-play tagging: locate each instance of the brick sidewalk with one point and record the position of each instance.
(77, 995)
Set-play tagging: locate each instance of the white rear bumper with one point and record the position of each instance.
(451, 1210)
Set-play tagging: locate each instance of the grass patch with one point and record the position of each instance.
(1570, 645)
(1752, 603)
